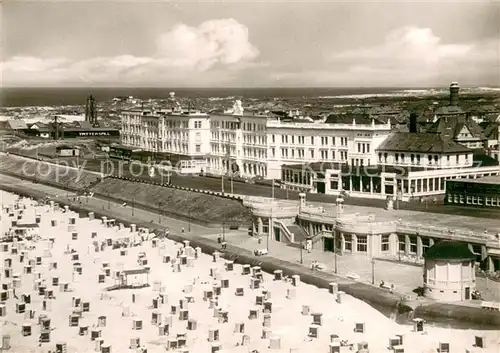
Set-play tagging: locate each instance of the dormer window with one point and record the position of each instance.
(412, 158)
(380, 157)
(418, 159)
(397, 157)
(385, 157)
(402, 158)
(430, 159)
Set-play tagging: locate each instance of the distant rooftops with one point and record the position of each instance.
(359, 119)
(421, 142)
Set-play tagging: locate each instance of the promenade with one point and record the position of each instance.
(405, 277)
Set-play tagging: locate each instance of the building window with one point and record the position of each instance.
(265, 226)
(426, 243)
(397, 157)
(413, 244)
(198, 148)
(412, 158)
(197, 124)
(380, 157)
(385, 241)
(348, 242)
(362, 243)
(401, 242)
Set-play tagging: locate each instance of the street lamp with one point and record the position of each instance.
(335, 249)
(189, 221)
(223, 230)
(109, 203)
(159, 212)
(373, 270)
(301, 249)
(133, 206)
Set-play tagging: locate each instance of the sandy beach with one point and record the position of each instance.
(89, 285)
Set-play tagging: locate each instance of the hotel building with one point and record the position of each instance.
(408, 164)
(172, 131)
(253, 145)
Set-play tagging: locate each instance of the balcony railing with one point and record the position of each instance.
(459, 234)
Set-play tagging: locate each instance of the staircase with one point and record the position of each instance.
(293, 234)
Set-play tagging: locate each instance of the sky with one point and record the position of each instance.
(250, 43)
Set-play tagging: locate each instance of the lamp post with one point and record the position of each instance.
(271, 219)
(301, 250)
(335, 250)
(189, 221)
(373, 270)
(270, 228)
(223, 230)
(109, 203)
(159, 212)
(133, 206)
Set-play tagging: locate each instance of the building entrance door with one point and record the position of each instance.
(467, 293)
(320, 187)
(277, 234)
(328, 244)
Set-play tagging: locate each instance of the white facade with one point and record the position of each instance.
(431, 160)
(165, 131)
(252, 145)
(238, 143)
(307, 142)
(449, 280)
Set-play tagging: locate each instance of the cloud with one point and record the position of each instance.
(408, 56)
(218, 41)
(181, 52)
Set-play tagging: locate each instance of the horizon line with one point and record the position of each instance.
(243, 87)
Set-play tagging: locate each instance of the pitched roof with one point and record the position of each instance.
(17, 124)
(451, 126)
(449, 250)
(421, 142)
(491, 130)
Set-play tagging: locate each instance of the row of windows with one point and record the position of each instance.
(363, 148)
(300, 153)
(416, 158)
(492, 201)
(285, 139)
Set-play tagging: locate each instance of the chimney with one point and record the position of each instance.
(413, 122)
(454, 89)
